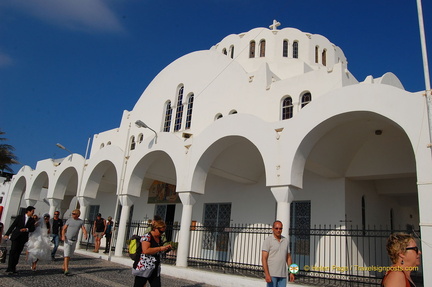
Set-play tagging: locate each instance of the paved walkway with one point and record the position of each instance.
(86, 271)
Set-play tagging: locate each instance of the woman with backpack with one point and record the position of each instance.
(148, 266)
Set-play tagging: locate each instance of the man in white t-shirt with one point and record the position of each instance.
(70, 237)
(275, 257)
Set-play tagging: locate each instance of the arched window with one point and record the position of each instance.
(218, 116)
(306, 99)
(232, 52)
(287, 108)
(224, 51)
(324, 57)
(295, 49)
(179, 111)
(252, 49)
(168, 115)
(262, 48)
(316, 54)
(132, 141)
(140, 138)
(189, 112)
(285, 49)
(102, 145)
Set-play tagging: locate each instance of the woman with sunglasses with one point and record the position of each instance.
(148, 267)
(405, 256)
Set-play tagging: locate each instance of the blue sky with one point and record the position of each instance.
(68, 69)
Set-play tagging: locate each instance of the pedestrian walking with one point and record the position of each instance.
(56, 227)
(148, 266)
(70, 237)
(19, 234)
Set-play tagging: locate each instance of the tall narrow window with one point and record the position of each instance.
(287, 108)
(189, 112)
(232, 52)
(306, 99)
(324, 57)
(285, 49)
(316, 54)
(179, 111)
(252, 49)
(295, 50)
(262, 48)
(168, 115)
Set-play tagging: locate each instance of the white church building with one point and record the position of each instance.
(267, 124)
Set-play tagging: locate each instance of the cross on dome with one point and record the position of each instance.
(274, 25)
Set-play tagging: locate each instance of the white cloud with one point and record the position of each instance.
(86, 15)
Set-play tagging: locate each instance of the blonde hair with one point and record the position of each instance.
(158, 224)
(77, 211)
(397, 244)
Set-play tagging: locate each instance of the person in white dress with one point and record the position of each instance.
(38, 245)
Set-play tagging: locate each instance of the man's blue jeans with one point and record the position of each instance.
(277, 282)
(56, 241)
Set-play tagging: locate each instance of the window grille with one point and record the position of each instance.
(179, 111)
(189, 112)
(168, 115)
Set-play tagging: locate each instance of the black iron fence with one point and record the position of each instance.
(324, 254)
(351, 255)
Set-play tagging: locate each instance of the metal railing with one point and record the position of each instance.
(326, 255)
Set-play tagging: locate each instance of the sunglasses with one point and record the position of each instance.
(56, 214)
(416, 249)
(74, 213)
(277, 228)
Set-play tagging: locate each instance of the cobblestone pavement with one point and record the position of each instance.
(85, 271)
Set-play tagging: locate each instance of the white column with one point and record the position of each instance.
(126, 201)
(284, 197)
(84, 203)
(188, 199)
(425, 198)
(54, 204)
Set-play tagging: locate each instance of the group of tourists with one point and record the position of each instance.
(36, 235)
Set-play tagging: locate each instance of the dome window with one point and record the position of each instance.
(262, 48)
(285, 49)
(179, 111)
(168, 115)
(306, 99)
(295, 50)
(189, 112)
(252, 49)
(287, 108)
(324, 57)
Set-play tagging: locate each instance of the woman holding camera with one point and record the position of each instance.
(148, 267)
